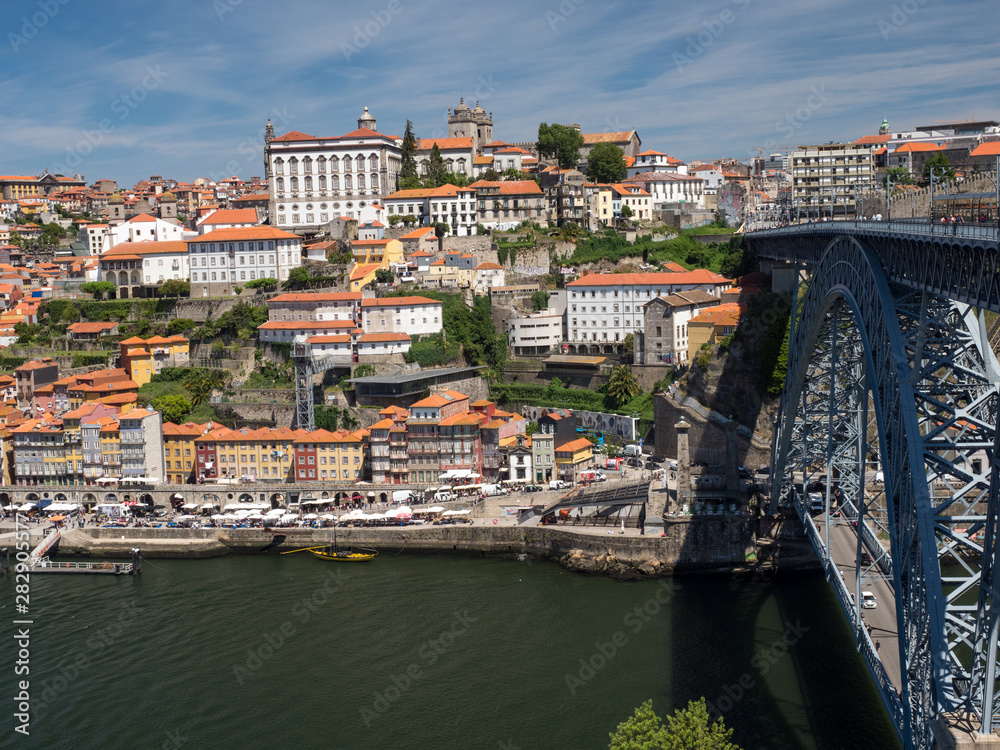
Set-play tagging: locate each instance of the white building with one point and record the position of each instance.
(655, 161)
(457, 154)
(227, 218)
(315, 306)
(604, 308)
(284, 332)
(635, 197)
(537, 333)
(486, 276)
(452, 205)
(663, 187)
(225, 258)
(711, 174)
(383, 343)
(314, 179)
(417, 316)
(145, 228)
(94, 237)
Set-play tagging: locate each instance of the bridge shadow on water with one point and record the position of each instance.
(776, 660)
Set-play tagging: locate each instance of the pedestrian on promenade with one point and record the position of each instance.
(877, 646)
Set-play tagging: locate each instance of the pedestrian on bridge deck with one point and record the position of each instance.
(877, 646)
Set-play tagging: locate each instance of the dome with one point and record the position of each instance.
(116, 198)
(462, 106)
(366, 116)
(168, 196)
(479, 110)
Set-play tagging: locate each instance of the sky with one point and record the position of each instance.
(125, 89)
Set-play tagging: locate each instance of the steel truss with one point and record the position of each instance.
(881, 371)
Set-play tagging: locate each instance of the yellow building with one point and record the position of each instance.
(363, 274)
(143, 358)
(573, 457)
(247, 454)
(712, 324)
(179, 450)
(382, 252)
(330, 456)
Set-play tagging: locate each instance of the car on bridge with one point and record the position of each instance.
(868, 600)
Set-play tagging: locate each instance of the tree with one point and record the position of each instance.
(436, 168)
(491, 175)
(628, 345)
(441, 229)
(98, 288)
(688, 729)
(409, 220)
(626, 212)
(540, 299)
(268, 283)
(297, 278)
(900, 175)
(455, 178)
(172, 408)
(384, 276)
(394, 220)
(606, 163)
(238, 290)
(201, 383)
(561, 143)
(942, 168)
(622, 385)
(179, 325)
(175, 288)
(408, 162)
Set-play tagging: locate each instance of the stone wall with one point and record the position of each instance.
(702, 542)
(707, 437)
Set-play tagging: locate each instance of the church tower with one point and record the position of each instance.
(885, 129)
(268, 137)
(471, 123)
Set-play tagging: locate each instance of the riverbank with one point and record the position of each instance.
(719, 544)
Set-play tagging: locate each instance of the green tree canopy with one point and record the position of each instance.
(899, 175)
(561, 143)
(98, 288)
(201, 383)
(622, 385)
(441, 229)
(455, 178)
(268, 283)
(408, 178)
(689, 728)
(172, 408)
(384, 276)
(606, 163)
(175, 288)
(941, 165)
(436, 168)
(179, 325)
(298, 278)
(540, 299)
(491, 175)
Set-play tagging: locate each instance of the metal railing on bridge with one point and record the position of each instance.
(913, 227)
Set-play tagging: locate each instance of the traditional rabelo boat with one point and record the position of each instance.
(333, 552)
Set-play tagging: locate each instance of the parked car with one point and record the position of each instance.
(651, 464)
(633, 462)
(700, 464)
(657, 459)
(533, 488)
(744, 472)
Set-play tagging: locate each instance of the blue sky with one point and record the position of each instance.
(125, 89)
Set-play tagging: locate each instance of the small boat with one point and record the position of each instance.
(339, 555)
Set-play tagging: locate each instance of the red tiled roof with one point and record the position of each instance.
(698, 276)
(368, 338)
(417, 234)
(91, 327)
(398, 301)
(426, 144)
(510, 187)
(244, 233)
(918, 147)
(318, 297)
(305, 325)
(232, 216)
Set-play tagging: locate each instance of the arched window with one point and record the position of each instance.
(279, 166)
(348, 185)
(321, 165)
(309, 184)
(334, 164)
(359, 164)
(307, 165)
(450, 164)
(281, 185)
(348, 163)
(373, 162)
(293, 166)
(295, 184)
(322, 183)
(374, 183)
(335, 184)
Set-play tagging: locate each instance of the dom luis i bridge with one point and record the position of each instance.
(886, 446)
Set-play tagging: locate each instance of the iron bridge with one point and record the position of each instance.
(889, 420)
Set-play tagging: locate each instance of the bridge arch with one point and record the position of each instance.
(869, 353)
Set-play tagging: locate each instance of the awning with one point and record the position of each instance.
(456, 512)
(107, 480)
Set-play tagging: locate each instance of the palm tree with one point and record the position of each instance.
(622, 385)
(201, 383)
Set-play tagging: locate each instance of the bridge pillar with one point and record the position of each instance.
(958, 731)
(683, 462)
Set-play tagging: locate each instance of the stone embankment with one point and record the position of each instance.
(721, 544)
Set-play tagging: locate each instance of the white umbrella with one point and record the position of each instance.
(391, 513)
(218, 517)
(275, 513)
(435, 509)
(310, 516)
(288, 517)
(455, 512)
(376, 516)
(328, 517)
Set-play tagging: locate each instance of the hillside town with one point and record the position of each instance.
(407, 282)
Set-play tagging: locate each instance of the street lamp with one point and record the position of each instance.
(935, 177)
(891, 183)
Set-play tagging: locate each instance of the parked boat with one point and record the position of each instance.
(333, 554)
